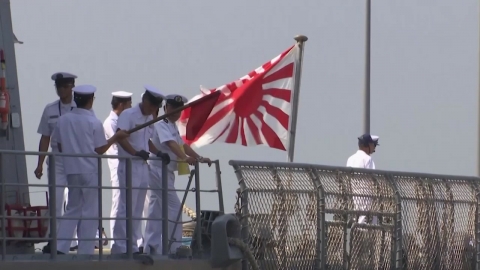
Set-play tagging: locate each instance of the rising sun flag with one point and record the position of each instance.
(253, 110)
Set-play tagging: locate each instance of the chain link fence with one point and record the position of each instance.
(302, 216)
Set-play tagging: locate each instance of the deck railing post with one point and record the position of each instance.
(100, 212)
(52, 190)
(128, 201)
(198, 214)
(4, 214)
(165, 218)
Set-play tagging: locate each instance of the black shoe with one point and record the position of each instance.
(74, 248)
(46, 250)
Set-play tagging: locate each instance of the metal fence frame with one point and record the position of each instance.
(52, 238)
(390, 192)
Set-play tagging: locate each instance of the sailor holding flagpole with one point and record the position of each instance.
(139, 145)
(167, 139)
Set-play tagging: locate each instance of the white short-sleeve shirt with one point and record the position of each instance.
(360, 160)
(165, 131)
(110, 127)
(49, 119)
(80, 132)
(129, 119)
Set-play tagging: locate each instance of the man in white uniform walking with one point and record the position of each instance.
(64, 82)
(138, 144)
(167, 139)
(362, 159)
(80, 132)
(121, 101)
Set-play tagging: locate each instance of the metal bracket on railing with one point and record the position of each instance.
(198, 222)
(190, 179)
(321, 222)
(397, 259)
(281, 208)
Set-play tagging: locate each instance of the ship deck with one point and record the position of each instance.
(72, 261)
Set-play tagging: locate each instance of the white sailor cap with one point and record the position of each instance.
(122, 94)
(375, 139)
(85, 89)
(63, 75)
(176, 100)
(154, 91)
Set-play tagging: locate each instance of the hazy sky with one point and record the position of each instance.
(424, 76)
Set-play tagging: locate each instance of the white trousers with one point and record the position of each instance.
(61, 195)
(82, 203)
(141, 241)
(140, 175)
(362, 203)
(74, 242)
(116, 202)
(153, 230)
(115, 197)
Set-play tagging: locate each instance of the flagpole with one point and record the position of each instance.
(301, 39)
(366, 112)
(478, 135)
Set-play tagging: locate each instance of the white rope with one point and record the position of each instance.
(189, 212)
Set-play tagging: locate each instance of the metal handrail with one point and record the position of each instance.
(52, 186)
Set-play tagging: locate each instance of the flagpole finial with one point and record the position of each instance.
(300, 38)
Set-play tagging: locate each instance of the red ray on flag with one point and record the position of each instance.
(199, 111)
(253, 110)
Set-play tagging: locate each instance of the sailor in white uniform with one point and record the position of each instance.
(64, 82)
(80, 132)
(141, 242)
(167, 139)
(362, 159)
(138, 144)
(121, 101)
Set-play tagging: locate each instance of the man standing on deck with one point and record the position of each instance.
(141, 242)
(64, 82)
(80, 132)
(138, 144)
(362, 159)
(167, 139)
(121, 101)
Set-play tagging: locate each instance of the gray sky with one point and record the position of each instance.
(424, 72)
